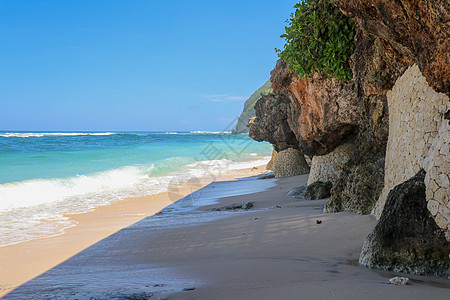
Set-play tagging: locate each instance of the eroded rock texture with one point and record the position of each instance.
(318, 190)
(272, 161)
(390, 37)
(375, 66)
(418, 30)
(406, 238)
(322, 113)
(270, 123)
(359, 189)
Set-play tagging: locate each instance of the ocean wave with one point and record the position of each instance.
(210, 132)
(37, 208)
(41, 134)
(41, 191)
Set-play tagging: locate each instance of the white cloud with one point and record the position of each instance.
(223, 98)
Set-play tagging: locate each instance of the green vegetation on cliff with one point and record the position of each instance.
(319, 38)
(249, 107)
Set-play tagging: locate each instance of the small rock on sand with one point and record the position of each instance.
(266, 176)
(297, 192)
(399, 280)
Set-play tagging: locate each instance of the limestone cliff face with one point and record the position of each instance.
(418, 30)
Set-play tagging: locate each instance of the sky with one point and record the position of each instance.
(149, 65)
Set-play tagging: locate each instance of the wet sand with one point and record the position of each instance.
(276, 250)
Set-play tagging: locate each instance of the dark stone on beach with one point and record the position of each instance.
(266, 176)
(297, 192)
(246, 205)
(318, 190)
(233, 207)
(319, 221)
(136, 296)
(406, 238)
(216, 209)
(188, 289)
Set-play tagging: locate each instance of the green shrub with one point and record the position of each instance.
(319, 37)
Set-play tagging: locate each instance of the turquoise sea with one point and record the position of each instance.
(45, 175)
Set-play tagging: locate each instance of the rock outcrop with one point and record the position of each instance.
(406, 238)
(322, 113)
(419, 31)
(290, 162)
(395, 114)
(359, 186)
(318, 190)
(270, 165)
(249, 108)
(270, 123)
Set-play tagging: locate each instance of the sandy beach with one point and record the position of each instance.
(21, 262)
(276, 250)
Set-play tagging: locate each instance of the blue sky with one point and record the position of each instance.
(133, 65)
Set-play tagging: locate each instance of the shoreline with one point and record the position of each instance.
(24, 261)
(267, 252)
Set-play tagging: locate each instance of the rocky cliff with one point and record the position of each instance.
(249, 108)
(391, 117)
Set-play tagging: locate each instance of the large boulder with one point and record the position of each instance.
(318, 190)
(406, 238)
(359, 186)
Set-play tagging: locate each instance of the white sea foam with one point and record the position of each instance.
(210, 132)
(36, 208)
(41, 134)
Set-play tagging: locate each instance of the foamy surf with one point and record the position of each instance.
(38, 208)
(42, 134)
